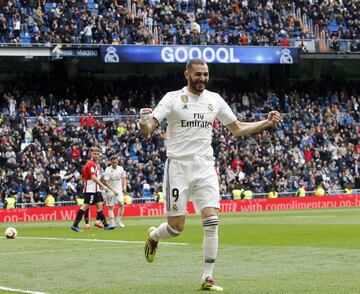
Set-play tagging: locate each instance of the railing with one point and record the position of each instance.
(48, 45)
(75, 119)
(151, 200)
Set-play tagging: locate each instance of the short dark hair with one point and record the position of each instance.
(114, 157)
(194, 61)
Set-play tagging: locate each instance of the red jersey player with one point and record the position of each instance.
(92, 194)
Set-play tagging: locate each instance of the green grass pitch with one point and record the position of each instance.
(312, 251)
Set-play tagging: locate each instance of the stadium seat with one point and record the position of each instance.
(135, 158)
(49, 6)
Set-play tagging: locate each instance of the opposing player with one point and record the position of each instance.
(189, 169)
(92, 194)
(115, 178)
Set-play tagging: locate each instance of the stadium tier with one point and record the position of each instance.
(203, 22)
(46, 139)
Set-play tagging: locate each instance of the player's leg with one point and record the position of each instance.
(98, 222)
(87, 219)
(99, 207)
(111, 214)
(207, 200)
(172, 228)
(210, 247)
(120, 200)
(79, 215)
(110, 202)
(120, 214)
(175, 206)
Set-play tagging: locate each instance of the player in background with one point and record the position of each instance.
(115, 179)
(190, 167)
(92, 195)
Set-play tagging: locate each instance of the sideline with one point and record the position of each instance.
(21, 291)
(100, 240)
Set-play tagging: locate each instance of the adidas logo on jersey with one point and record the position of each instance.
(185, 107)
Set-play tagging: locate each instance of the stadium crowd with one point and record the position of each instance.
(317, 144)
(205, 22)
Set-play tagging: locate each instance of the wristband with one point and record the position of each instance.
(145, 118)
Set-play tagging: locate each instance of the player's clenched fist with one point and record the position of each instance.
(145, 115)
(274, 117)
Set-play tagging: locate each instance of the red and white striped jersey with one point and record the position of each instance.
(90, 168)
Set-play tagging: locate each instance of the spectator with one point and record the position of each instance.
(50, 200)
(320, 190)
(301, 191)
(273, 194)
(10, 202)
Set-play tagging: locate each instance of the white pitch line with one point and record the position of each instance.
(21, 291)
(46, 251)
(99, 240)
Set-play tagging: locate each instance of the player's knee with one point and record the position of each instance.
(177, 228)
(177, 223)
(174, 231)
(211, 224)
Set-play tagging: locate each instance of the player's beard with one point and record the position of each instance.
(197, 86)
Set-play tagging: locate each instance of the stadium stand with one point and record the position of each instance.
(261, 22)
(45, 138)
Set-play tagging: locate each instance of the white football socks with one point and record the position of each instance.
(164, 231)
(121, 211)
(111, 214)
(210, 245)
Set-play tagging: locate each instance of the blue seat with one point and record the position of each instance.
(135, 158)
(334, 28)
(204, 26)
(49, 6)
(92, 6)
(147, 193)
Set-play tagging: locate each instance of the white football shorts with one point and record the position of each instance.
(186, 180)
(111, 199)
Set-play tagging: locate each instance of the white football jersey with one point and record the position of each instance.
(114, 176)
(190, 120)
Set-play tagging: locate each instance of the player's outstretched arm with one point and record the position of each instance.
(240, 129)
(147, 122)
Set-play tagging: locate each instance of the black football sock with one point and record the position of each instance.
(86, 216)
(101, 216)
(79, 216)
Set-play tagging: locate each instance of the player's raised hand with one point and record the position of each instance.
(145, 115)
(274, 118)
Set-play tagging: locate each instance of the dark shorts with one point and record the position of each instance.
(93, 198)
